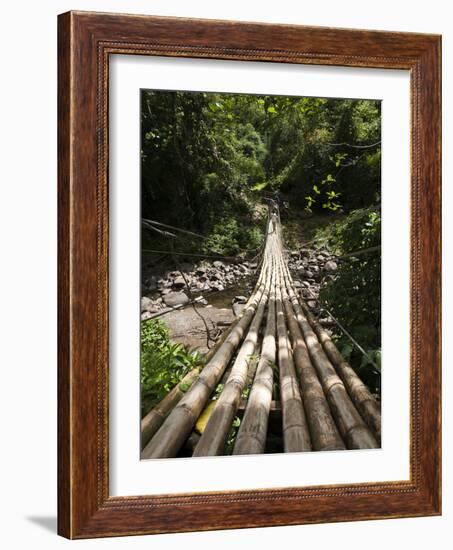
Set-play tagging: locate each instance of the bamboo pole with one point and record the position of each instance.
(296, 436)
(215, 434)
(351, 425)
(156, 416)
(252, 434)
(323, 430)
(174, 431)
(360, 394)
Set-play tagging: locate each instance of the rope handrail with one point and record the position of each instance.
(195, 255)
(345, 331)
(343, 143)
(172, 227)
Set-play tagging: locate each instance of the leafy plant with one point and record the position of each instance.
(217, 392)
(229, 237)
(231, 438)
(162, 363)
(354, 295)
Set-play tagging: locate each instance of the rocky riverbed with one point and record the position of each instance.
(220, 290)
(190, 282)
(311, 269)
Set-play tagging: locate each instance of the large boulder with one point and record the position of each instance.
(174, 299)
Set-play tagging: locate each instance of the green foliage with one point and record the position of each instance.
(245, 393)
(229, 237)
(162, 363)
(232, 434)
(354, 297)
(217, 392)
(207, 158)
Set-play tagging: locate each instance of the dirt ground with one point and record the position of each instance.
(187, 328)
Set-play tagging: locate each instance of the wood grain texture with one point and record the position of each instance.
(64, 369)
(85, 42)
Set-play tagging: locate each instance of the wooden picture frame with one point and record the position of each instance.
(85, 41)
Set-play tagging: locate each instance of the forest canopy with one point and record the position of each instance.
(208, 158)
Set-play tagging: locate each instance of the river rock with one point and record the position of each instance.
(203, 286)
(146, 315)
(146, 303)
(217, 286)
(215, 276)
(218, 264)
(240, 299)
(174, 299)
(330, 266)
(179, 282)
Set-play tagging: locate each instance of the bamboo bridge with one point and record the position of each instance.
(323, 405)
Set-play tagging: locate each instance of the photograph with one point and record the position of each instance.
(260, 302)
